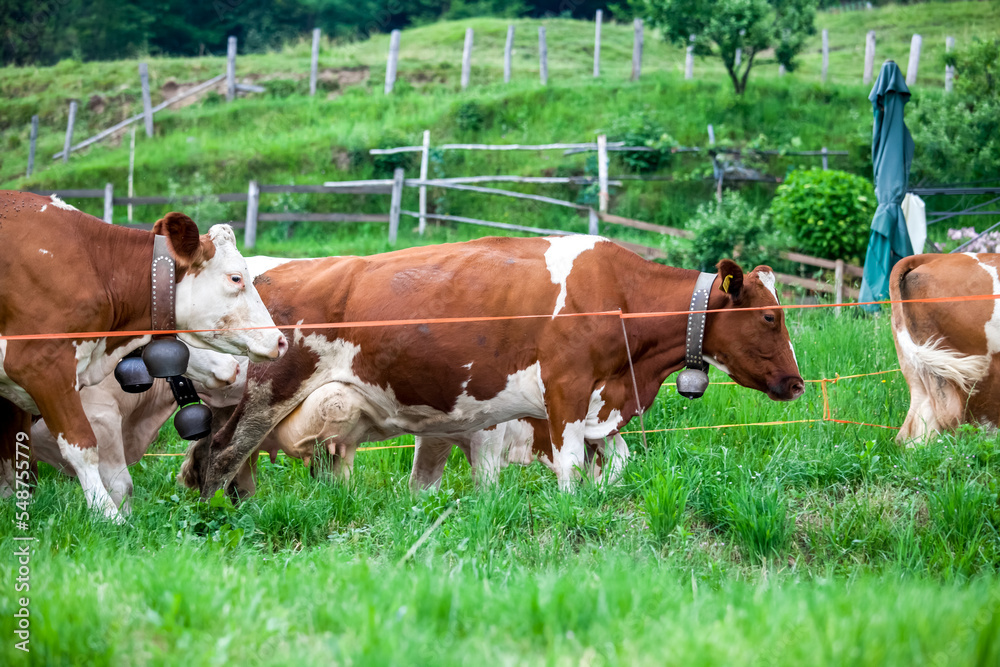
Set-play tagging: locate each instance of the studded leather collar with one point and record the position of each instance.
(696, 322)
(163, 272)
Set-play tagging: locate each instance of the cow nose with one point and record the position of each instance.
(282, 347)
(794, 387)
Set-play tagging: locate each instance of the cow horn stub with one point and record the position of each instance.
(692, 383)
(166, 357)
(132, 374)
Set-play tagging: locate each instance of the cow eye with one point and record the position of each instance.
(236, 278)
(768, 317)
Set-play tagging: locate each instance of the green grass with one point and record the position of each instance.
(815, 543)
(806, 543)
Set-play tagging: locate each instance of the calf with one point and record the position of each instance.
(62, 271)
(515, 357)
(948, 350)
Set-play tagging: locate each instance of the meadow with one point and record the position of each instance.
(805, 542)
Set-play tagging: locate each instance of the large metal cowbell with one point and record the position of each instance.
(693, 380)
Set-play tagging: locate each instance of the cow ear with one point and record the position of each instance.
(730, 278)
(182, 236)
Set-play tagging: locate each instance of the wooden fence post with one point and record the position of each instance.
(466, 58)
(314, 64)
(32, 143)
(131, 171)
(838, 285)
(711, 135)
(597, 43)
(689, 60)
(826, 55)
(69, 130)
(424, 160)
(109, 202)
(231, 69)
(147, 105)
(394, 205)
(737, 58)
(390, 65)
(543, 57)
(949, 71)
(869, 57)
(914, 64)
(602, 172)
(636, 49)
(253, 204)
(592, 222)
(508, 51)
(825, 164)
(781, 70)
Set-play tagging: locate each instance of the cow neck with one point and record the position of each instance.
(124, 267)
(661, 342)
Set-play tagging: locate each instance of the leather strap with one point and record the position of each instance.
(183, 390)
(696, 322)
(163, 272)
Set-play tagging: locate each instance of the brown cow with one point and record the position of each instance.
(948, 350)
(65, 271)
(446, 379)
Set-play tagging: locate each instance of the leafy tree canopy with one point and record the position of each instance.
(718, 28)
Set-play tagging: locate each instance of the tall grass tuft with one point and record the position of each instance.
(665, 500)
(758, 519)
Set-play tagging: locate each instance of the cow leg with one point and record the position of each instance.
(611, 454)
(488, 455)
(429, 456)
(13, 421)
(111, 464)
(569, 449)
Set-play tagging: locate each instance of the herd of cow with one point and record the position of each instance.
(513, 349)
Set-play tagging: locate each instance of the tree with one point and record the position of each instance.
(720, 27)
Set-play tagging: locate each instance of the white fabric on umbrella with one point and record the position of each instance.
(915, 213)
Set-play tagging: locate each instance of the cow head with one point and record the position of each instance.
(212, 370)
(752, 346)
(214, 291)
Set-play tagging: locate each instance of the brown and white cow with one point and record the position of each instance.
(127, 424)
(64, 271)
(948, 350)
(453, 378)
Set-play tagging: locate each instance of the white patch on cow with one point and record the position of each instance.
(722, 367)
(931, 358)
(794, 358)
(559, 258)
(767, 280)
(43, 251)
(11, 391)
(993, 324)
(94, 363)
(262, 264)
(973, 255)
(522, 396)
(59, 203)
(569, 460)
(596, 429)
(85, 462)
(519, 441)
(212, 370)
(468, 366)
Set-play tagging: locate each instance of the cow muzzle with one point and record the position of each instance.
(788, 388)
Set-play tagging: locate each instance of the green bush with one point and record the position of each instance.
(827, 213)
(732, 228)
(642, 129)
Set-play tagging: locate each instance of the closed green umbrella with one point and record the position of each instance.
(892, 153)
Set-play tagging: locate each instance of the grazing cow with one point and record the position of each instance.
(947, 349)
(62, 271)
(516, 357)
(127, 424)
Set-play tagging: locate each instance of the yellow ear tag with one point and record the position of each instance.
(725, 283)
